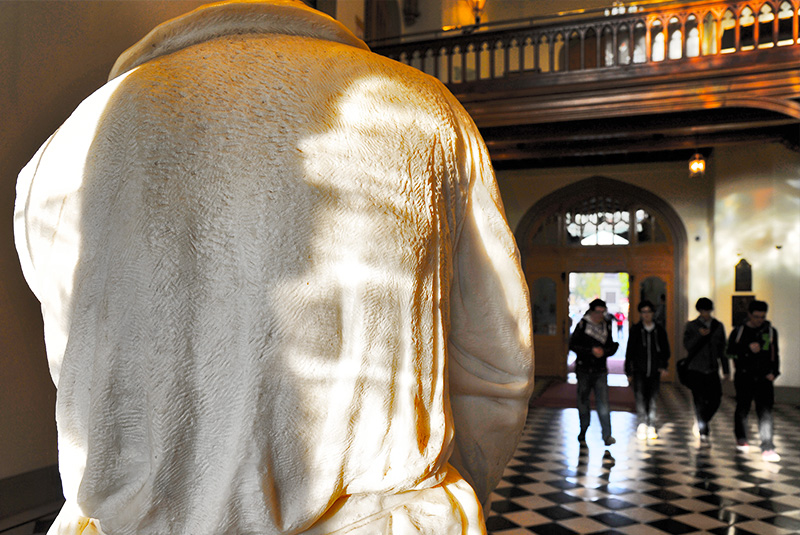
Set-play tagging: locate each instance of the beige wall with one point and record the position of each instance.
(351, 14)
(757, 217)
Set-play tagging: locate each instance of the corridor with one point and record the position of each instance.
(552, 486)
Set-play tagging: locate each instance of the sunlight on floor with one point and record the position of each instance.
(614, 379)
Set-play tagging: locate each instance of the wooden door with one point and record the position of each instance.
(550, 322)
(568, 231)
(652, 279)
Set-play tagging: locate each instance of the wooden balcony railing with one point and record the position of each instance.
(617, 38)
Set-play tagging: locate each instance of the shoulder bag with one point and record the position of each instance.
(682, 366)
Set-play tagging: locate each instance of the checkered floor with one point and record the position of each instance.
(670, 485)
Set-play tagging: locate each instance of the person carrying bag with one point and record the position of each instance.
(704, 340)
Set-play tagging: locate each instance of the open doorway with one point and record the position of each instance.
(564, 233)
(614, 289)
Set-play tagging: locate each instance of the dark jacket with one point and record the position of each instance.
(707, 352)
(758, 364)
(582, 344)
(647, 352)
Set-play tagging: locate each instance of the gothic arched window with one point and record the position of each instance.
(599, 221)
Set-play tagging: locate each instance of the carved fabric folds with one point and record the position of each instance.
(279, 291)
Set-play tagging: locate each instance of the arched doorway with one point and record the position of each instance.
(600, 225)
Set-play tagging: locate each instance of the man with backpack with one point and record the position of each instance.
(753, 346)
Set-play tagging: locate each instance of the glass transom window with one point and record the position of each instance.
(600, 221)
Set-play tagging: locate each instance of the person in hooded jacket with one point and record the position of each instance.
(646, 361)
(753, 346)
(592, 343)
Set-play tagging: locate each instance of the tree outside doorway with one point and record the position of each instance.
(614, 289)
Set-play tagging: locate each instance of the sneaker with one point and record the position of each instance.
(770, 456)
(652, 434)
(611, 440)
(704, 441)
(743, 446)
(641, 432)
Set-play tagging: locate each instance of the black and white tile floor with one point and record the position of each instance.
(670, 485)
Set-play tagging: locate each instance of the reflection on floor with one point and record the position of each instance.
(668, 485)
(616, 373)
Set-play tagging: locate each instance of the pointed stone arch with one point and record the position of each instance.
(556, 254)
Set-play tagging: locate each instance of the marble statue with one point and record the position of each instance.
(279, 291)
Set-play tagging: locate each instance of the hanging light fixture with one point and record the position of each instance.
(697, 165)
(477, 8)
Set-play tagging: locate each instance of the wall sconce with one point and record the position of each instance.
(477, 8)
(697, 165)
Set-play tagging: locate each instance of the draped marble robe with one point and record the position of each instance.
(279, 291)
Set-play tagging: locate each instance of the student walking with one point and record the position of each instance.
(753, 346)
(646, 362)
(592, 343)
(704, 340)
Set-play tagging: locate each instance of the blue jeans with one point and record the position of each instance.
(597, 381)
